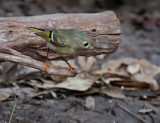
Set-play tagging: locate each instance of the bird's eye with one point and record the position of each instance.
(86, 44)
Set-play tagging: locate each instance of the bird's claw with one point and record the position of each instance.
(70, 68)
(46, 66)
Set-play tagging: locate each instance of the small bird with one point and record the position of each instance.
(66, 42)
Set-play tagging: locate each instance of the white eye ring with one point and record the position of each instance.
(86, 44)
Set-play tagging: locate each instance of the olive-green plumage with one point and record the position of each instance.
(65, 41)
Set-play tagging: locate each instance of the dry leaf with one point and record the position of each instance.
(147, 79)
(148, 68)
(110, 79)
(133, 69)
(22, 93)
(8, 72)
(127, 73)
(47, 94)
(112, 91)
(58, 78)
(136, 72)
(4, 96)
(79, 83)
(145, 111)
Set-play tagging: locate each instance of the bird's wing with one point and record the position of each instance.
(60, 38)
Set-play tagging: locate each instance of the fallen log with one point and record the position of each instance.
(22, 46)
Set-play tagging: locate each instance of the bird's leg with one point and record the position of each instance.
(70, 68)
(47, 64)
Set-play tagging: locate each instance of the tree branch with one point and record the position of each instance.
(19, 45)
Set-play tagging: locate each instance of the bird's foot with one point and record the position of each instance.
(70, 68)
(46, 66)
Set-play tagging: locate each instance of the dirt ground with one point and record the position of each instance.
(140, 23)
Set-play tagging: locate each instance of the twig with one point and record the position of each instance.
(125, 109)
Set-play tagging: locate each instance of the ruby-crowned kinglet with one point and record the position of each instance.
(65, 41)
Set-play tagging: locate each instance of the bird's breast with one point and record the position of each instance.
(65, 50)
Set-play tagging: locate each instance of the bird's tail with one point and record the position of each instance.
(44, 33)
(36, 29)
